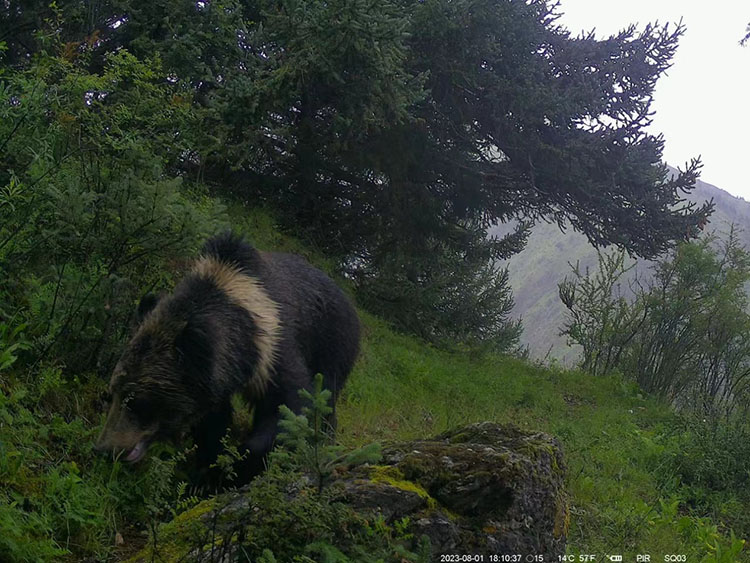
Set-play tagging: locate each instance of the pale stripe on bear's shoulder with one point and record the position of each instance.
(249, 293)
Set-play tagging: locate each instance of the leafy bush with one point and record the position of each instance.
(47, 506)
(600, 317)
(711, 464)
(92, 214)
(89, 213)
(684, 335)
(694, 347)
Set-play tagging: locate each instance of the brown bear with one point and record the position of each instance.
(243, 320)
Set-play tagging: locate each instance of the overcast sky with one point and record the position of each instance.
(702, 105)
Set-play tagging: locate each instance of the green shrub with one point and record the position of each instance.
(308, 436)
(684, 335)
(90, 214)
(600, 318)
(711, 464)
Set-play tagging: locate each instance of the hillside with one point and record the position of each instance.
(133, 132)
(622, 449)
(536, 271)
(626, 455)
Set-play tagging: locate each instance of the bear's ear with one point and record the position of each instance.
(146, 305)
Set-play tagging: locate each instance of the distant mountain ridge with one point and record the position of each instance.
(536, 271)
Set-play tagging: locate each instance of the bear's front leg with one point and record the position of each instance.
(266, 419)
(207, 436)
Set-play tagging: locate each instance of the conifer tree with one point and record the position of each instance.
(394, 134)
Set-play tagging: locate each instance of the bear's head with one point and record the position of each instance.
(149, 392)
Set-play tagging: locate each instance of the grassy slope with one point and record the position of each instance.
(615, 442)
(615, 439)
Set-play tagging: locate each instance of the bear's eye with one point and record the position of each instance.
(142, 408)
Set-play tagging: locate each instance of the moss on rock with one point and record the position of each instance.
(176, 539)
(395, 478)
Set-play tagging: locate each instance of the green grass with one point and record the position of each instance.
(617, 442)
(59, 502)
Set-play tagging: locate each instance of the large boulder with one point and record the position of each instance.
(482, 489)
(485, 488)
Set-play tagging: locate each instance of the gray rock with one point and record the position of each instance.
(482, 489)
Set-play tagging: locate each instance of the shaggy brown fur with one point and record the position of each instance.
(262, 324)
